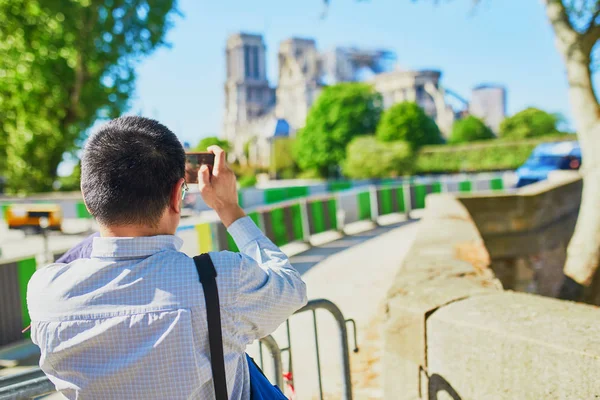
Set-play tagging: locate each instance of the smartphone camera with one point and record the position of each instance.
(193, 162)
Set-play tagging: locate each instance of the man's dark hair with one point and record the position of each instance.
(128, 170)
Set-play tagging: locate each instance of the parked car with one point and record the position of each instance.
(549, 157)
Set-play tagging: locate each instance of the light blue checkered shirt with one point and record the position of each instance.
(130, 322)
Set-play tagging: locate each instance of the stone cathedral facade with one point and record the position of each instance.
(257, 113)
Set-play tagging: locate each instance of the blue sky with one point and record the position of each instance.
(500, 41)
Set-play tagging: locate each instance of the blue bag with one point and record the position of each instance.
(260, 387)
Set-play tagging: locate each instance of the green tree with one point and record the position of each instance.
(529, 123)
(208, 141)
(369, 158)
(470, 129)
(63, 65)
(576, 26)
(248, 180)
(339, 114)
(408, 122)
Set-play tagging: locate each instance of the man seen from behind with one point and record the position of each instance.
(130, 321)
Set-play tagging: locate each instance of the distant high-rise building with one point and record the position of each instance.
(488, 102)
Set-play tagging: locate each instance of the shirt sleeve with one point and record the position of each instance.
(270, 289)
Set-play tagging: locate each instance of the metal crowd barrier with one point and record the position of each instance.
(25, 385)
(276, 351)
(313, 306)
(271, 344)
(14, 316)
(298, 219)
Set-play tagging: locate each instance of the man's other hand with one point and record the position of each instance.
(219, 191)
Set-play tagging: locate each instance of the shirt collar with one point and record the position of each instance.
(136, 247)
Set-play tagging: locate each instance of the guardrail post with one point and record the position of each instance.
(304, 218)
(374, 204)
(444, 184)
(261, 221)
(314, 313)
(408, 205)
(273, 347)
(340, 213)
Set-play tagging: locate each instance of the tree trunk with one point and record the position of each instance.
(584, 249)
(583, 252)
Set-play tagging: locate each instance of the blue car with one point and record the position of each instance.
(549, 157)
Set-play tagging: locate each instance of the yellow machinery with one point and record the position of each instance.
(26, 217)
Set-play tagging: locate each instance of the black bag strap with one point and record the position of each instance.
(207, 273)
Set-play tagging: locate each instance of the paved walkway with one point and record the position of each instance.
(354, 272)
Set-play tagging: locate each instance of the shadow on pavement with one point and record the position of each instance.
(306, 260)
(437, 384)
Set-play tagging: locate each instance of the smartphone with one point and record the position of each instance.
(193, 162)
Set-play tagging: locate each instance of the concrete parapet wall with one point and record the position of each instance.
(446, 263)
(513, 346)
(452, 332)
(527, 232)
(514, 224)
